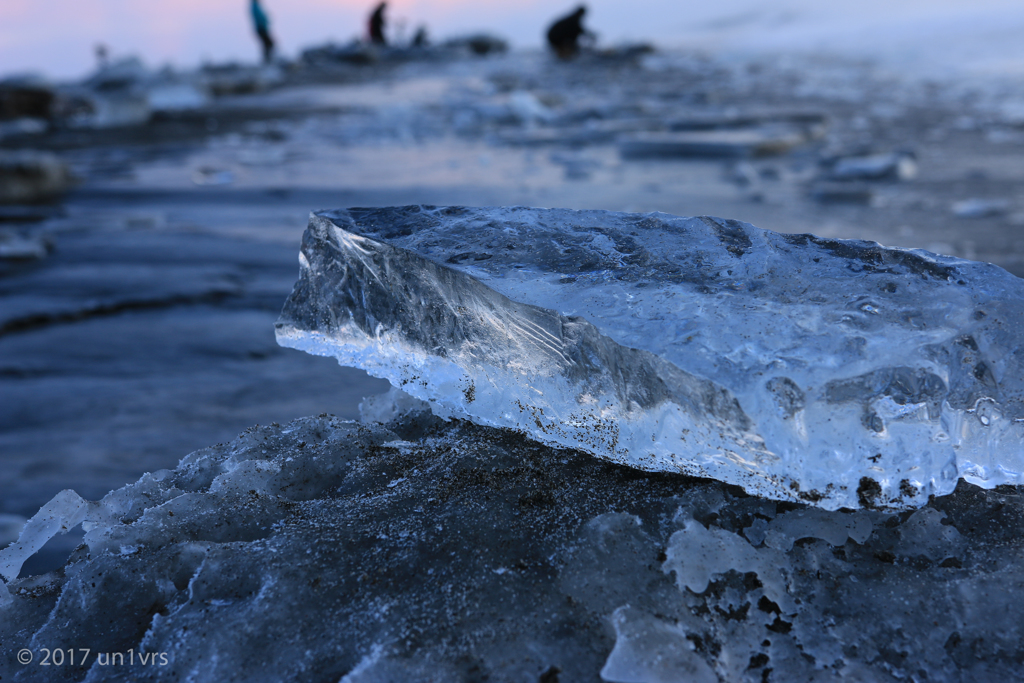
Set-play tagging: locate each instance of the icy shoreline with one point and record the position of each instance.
(932, 594)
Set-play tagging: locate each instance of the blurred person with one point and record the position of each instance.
(376, 25)
(261, 23)
(102, 55)
(421, 39)
(564, 35)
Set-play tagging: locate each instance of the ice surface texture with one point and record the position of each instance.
(324, 550)
(840, 373)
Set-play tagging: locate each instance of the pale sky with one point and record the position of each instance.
(56, 37)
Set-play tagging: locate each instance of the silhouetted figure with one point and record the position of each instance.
(564, 35)
(421, 39)
(376, 27)
(262, 25)
(102, 55)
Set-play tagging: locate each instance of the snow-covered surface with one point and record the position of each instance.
(326, 550)
(840, 373)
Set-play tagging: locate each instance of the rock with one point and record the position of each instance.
(841, 373)
(25, 100)
(28, 176)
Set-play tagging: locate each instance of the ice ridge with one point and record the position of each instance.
(838, 373)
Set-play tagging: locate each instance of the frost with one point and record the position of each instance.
(838, 373)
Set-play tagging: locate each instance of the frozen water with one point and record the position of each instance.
(66, 511)
(841, 373)
(416, 550)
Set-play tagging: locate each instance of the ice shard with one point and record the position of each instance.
(839, 373)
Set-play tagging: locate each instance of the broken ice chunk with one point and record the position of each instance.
(710, 143)
(649, 649)
(840, 373)
(66, 511)
(891, 166)
(980, 208)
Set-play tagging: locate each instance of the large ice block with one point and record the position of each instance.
(840, 373)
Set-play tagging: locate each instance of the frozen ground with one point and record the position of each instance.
(325, 550)
(147, 332)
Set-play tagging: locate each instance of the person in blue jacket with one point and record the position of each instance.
(262, 25)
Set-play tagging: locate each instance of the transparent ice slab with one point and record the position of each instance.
(839, 373)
